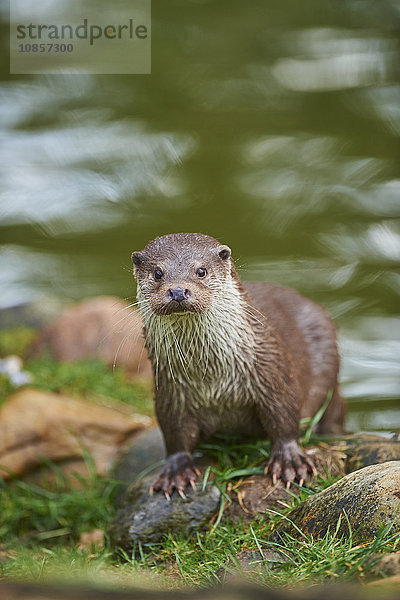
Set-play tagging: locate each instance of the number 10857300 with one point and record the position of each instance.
(45, 48)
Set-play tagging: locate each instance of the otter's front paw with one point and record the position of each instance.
(178, 472)
(289, 463)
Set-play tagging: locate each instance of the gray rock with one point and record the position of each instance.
(257, 494)
(365, 500)
(387, 565)
(249, 562)
(146, 519)
(363, 450)
(147, 450)
(31, 314)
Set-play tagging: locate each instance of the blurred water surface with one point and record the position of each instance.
(273, 126)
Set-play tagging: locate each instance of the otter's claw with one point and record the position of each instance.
(289, 463)
(178, 472)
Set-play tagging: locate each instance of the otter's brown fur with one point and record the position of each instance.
(231, 357)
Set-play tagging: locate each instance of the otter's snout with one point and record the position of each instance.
(178, 294)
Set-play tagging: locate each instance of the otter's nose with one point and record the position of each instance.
(178, 294)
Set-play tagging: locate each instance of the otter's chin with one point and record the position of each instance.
(176, 308)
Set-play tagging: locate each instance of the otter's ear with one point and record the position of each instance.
(137, 259)
(224, 252)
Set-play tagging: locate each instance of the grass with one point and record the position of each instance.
(31, 513)
(40, 527)
(327, 560)
(6, 388)
(41, 531)
(91, 380)
(88, 379)
(16, 340)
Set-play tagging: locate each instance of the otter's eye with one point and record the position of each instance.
(158, 274)
(201, 272)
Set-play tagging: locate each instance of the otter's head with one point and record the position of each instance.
(182, 273)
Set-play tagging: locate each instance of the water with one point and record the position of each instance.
(273, 126)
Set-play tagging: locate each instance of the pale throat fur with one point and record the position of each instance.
(207, 357)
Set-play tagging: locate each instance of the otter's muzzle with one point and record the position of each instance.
(178, 294)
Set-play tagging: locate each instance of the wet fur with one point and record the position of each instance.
(247, 358)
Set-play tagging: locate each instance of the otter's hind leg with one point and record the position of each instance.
(320, 336)
(333, 419)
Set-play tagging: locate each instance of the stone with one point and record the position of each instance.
(148, 518)
(31, 314)
(363, 450)
(146, 451)
(365, 501)
(36, 424)
(250, 562)
(92, 541)
(103, 327)
(387, 564)
(256, 495)
(145, 519)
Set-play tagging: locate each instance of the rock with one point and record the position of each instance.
(253, 497)
(103, 327)
(36, 424)
(92, 541)
(257, 494)
(146, 451)
(146, 519)
(368, 499)
(30, 314)
(363, 450)
(251, 561)
(387, 564)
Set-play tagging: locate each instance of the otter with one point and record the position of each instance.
(232, 357)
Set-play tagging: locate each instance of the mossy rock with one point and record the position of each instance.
(359, 504)
(364, 449)
(147, 519)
